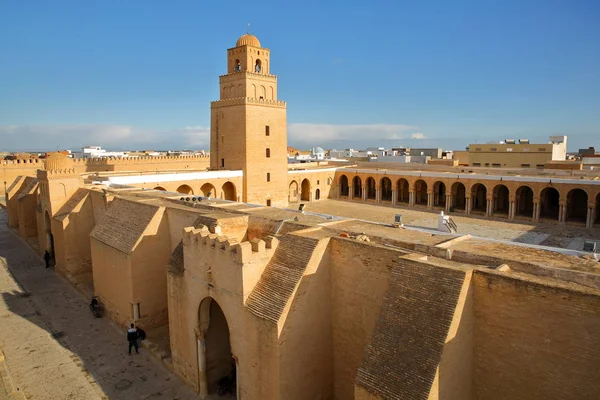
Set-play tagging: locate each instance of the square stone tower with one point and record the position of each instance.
(248, 124)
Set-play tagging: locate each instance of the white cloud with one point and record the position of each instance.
(73, 136)
(313, 134)
(418, 135)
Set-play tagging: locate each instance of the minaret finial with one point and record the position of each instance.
(248, 29)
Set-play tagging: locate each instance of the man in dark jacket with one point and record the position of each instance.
(47, 258)
(132, 338)
(141, 335)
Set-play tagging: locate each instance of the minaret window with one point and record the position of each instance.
(267, 130)
(238, 66)
(258, 66)
(268, 153)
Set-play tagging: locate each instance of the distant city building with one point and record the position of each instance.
(433, 153)
(589, 152)
(522, 154)
(98, 152)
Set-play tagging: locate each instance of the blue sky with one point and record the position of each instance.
(139, 74)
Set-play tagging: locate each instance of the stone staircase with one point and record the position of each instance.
(281, 276)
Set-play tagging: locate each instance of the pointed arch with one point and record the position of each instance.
(356, 188)
(402, 188)
(229, 192)
(344, 187)
(185, 189)
(293, 192)
(208, 190)
(386, 189)
(371, 188)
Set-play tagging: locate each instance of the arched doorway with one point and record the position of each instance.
(49, 236)
(577, 200)
(162, 189)
(524, 201)
(459, 196)
(229, 191)
(439, 194)
(479, 197)
(216, 365)
(501, 201)
(305, 190)
(208, 190)
(371, 189)
(344, 188)
(386, 189)
(185, 189)
(293, 192)
(421, 192)
(356, 188)
(402, 187)
(549, 203)
(317, 194)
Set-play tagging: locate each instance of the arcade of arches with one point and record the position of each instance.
(564, 203)
(226, 192)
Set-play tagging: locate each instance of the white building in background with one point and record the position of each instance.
(98, 152)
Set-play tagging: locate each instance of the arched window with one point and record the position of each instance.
(238, 66)
(257, 66)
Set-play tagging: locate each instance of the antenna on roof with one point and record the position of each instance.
(248, 29)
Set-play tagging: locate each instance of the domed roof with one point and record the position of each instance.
(247, 40)
(318, 150)
(57, 162)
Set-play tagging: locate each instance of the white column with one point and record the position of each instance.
(468, 205)
(378, 194)
(394, 196)
(488, 207)
(448, 202)
(411, 198)
(511, 209)
(429, 199)
(562, 213)
(364, 193)
(536, 210)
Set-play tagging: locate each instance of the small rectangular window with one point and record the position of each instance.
(541, 149)
(268, 153)
(268, 177)
(476, 164)
(268, 202)
(222, 163)
(524, 165)
(540, 166)
(267, 130)
(493, 149)
(317, 181)
(496, 165)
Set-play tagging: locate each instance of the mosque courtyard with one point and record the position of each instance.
(545, 234)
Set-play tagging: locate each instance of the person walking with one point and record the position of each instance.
(47, 258)
(132, 339)
(141, 335)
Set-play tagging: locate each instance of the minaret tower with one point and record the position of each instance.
(248, 125)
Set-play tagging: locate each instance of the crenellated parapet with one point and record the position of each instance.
(23, 162)
(56, 174)
(247, 100)
(238, 252)
(138, 160)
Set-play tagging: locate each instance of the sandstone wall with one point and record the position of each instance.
(306, 346)
(360, 276)
(533, 340)
(113, 281)
(149, 272)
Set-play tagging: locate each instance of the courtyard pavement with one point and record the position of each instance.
(51, 347)
(520, 230)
